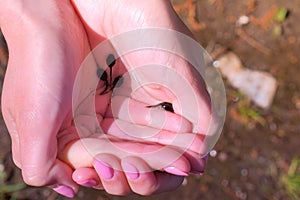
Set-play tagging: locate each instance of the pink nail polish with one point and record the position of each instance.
(89, 183)
(65, 191)
(175, 171)
(130, 171)
(104, 170)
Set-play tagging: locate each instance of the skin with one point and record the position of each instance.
(37, 96)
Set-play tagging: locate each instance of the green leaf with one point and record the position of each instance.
(291, 180)
(11, 188)
(281, 14)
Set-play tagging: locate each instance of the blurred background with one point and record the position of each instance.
(258, 153)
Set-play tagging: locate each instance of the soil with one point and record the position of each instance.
(253, 153)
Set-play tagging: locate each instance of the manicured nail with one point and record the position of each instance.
(65, 191)
(104, 170)
(130, 171)
(89, 183)
(175, 171)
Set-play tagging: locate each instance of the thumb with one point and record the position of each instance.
(38, 149)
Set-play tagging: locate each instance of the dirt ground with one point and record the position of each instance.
(258, 151)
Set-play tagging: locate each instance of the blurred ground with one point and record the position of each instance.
(258, 152)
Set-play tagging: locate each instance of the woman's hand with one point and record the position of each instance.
(118, 17)
(47, 43)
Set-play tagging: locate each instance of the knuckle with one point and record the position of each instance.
(34, 178)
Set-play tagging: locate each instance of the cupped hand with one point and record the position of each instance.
(47, 44)
(37, 93)
(106, 19)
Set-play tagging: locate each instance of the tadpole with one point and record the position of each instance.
(164, 105)
(103, 76)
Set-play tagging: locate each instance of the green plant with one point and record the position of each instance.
(247, 111)
(5, 189)
(291, 180)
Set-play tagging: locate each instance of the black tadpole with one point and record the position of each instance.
(110, 61)
(118, 81)
(164, 105)
(102, 75)
(167, 106)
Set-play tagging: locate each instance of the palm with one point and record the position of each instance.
(122, 17)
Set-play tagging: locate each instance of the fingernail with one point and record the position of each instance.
(65, 191)
(104, 170)
(89, 183)
(130, 171)
(175, 171)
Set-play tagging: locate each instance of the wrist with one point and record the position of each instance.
(18, 14)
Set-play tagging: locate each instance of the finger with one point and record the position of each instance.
(144, 181)
(137, 112)
(80, 154)
(190, 144)
(191, 99)
(197, 162)
(60, 176)
(183, 88)
(87, 177)
(128, 131)
(109, 170)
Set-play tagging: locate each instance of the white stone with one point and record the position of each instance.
(259, 86)
(243, 20)
(213, 153)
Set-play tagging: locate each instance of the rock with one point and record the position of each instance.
(259, 86)
(243, 20)
(213, 153)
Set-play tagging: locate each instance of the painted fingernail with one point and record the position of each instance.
(104, 170)
(65, 191)
(89, 183)
(130, 171)
(175, 171)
